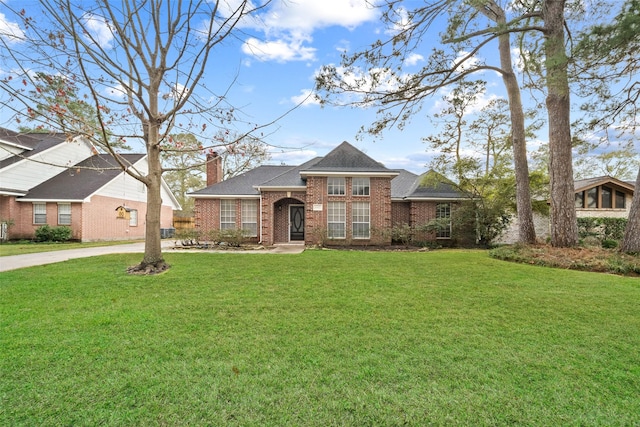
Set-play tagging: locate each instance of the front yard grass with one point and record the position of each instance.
(28, 247)
(322, 338)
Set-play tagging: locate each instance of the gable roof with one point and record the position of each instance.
(584, 184)
(432, 185)
(346, 159)
(343, 160)
(78, 183)
(31, 144)
(19, 140)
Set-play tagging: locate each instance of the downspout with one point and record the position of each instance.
(260, 241)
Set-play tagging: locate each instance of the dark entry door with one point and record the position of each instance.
(296, 223)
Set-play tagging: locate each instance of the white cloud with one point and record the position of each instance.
(306, 98)
(10, 32)
(481, 101)
(99, 30)
(279, 50)
(309, 15)
(288, 27)
(413, 59)
(464, 62)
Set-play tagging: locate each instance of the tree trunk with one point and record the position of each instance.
(526, 230)
(631, 239)
(564, 227)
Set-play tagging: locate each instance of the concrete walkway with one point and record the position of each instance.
(15, 262)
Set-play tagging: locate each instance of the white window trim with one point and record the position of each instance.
(64, 213)
(133, 218)
(336, 182)
(354, 222)
(361, 182)
(252, 215)
(343, 222)
(227, 225)
(448, 230)
(36, 213)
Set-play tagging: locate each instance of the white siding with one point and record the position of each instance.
(7, 151)
(26, 174)
(127, 188)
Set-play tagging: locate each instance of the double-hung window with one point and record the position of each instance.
(360, 186)
(335, 186)
(133, 218)
(39, 213)
(443, 216)
(227, 214)
(360, 220)
(64, 213)
(336, 218)
(250, 218)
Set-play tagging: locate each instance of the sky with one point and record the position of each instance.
(273, 65)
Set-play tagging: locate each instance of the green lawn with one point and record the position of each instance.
(27, 247)
(324, 338)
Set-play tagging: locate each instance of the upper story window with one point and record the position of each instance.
(601, 197)
(64, 213)
(39, 213)
(360, 186)
(335, 186)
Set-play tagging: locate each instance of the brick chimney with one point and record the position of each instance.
(214, 168)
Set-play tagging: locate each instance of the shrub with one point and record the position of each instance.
(609, 244)
(188, 237)
(402, 233)
(47, 233)
(230, 237)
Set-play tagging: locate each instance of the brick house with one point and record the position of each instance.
(90, 194)
(345, 197)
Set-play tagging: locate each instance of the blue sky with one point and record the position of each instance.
(273, 64)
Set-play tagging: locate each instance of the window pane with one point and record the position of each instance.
(227, 214)
(64, 213)
(606, 198)
(592, 198)
(335, 186)
(580, 199)
(443, 215)
(250, 218)
(133, 218)
(360, 220)
(39, 213)
(336, 217)
(360, 186)
(620, 200)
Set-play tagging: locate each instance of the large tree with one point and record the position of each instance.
(142, 65)
(377, 73)
(607, 56)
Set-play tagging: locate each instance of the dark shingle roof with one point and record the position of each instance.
(432, 185)
(37, 143)
(243, 185)
(403, 184)
(346, 158)
(77, 183)
(292, 177)
(21, 140)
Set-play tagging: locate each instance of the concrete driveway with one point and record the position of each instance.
(14, 262)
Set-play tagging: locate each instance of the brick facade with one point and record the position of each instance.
(91, 221)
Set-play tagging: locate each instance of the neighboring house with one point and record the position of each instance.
(90, 193)
(603, 196)
(345, 197)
